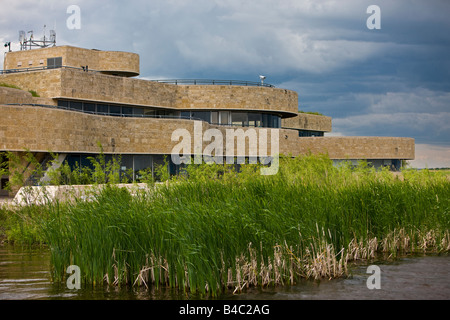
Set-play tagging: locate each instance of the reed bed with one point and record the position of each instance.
(214, 229)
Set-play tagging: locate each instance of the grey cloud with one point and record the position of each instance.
(392, 81)
(430, 128)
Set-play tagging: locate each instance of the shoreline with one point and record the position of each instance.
(235, 230)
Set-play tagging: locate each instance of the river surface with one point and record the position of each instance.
(25, 275)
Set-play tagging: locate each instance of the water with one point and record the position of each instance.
(25, 275)
(408, 278)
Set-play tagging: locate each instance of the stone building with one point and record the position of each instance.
(82, 98)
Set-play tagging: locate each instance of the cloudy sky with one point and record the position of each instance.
(393, 81)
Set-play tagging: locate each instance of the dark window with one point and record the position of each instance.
(63, 103)
(275, 122)
(86, 162)
(142, 162)
(76, 105)
(89, 107)
(202, 115)
(102, 108)
(214, 117)
(148, 112)
(4, 162)
(307, 133)
(127, 111)
(114, 110)
(254, 119)
(239, 119)
(224, 117)
(3, 184)
(71, 159)
(138, 111)
(185, 114)
(265, 120)
(175, 114)
(126, 161)
(54, 62)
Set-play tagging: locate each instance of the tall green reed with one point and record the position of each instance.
(215, 228)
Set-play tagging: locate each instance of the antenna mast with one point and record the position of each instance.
(28, 44)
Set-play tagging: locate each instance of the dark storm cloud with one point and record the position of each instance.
(392, 81)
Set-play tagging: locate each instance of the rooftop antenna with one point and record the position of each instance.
(22, 39)
(53, 37)
(30, 43)
(31, 38)
(53, 34)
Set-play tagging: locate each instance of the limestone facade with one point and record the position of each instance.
(307, 121)
(49, 129)
(75, 84)
(41, 125)
(110, 62)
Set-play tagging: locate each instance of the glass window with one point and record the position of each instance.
(86, 162)
(142, 162)
(102, 108)
(63, 103)
(138, 111)
(254, 119)
(224, 117)
(115, 110)
(127, 111)
(214, 117)
(4, 160)
(202, 115)
(174, 114)
(265, 120)
(89, 107)
(274, 121)
(126, 161)
(148, 112)
(239, 119)
(76, 105)
(71, 159)
(160, 112)
(185, 114)
(271, 121)
(3, 183)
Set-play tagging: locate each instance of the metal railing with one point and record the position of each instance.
(122, 115)
(31, 69)
(168, 81)
(214, 82)
(106, 113)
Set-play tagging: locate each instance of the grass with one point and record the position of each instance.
(34, 93)
(311, 112)
(214, 229)
(7, 85)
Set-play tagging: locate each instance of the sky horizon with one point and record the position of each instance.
(388, 81)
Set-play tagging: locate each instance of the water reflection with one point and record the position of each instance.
(25, 275)
(409, 278)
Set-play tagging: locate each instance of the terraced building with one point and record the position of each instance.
(72, 99)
